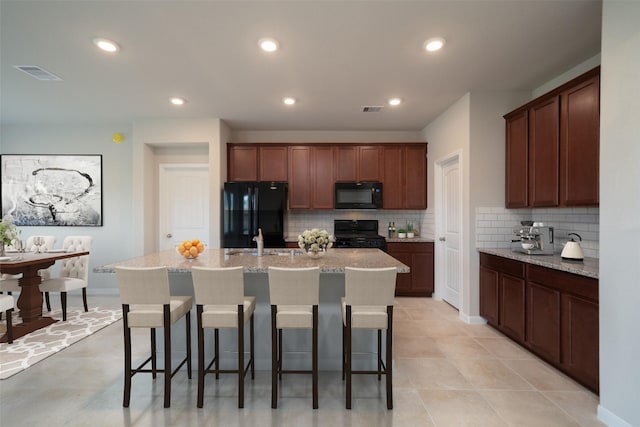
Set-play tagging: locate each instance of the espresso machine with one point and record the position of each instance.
(535, 239)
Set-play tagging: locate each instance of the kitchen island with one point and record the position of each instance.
(331, 263)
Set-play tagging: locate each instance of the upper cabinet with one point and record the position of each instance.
(312, 170)
(250, 162)
(405, 176)
(552, 147)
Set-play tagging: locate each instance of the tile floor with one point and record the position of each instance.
(446, 373)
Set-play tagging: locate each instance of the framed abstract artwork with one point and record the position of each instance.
(52, 190)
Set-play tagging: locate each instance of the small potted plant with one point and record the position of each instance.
(410, 233)
(402, 233)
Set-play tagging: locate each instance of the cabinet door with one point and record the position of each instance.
(392, 184)
(422, 273)
(243, 163)
(415, 177)
(543, 321)
(273, 163)
(322, 167)
(517, 159)
(300, 177)
(579, 144)
(346, 163)
(544, 153)
(580, 345)
(511, 302)
(489, 294)
(369, 163)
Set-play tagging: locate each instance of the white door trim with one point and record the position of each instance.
(440, 262)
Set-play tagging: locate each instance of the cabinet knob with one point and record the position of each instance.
(442, 239)
(169, 235)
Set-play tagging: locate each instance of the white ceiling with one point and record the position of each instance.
(335, 57)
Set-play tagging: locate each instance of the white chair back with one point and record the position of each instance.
(149, 285)
(218, 286)
(370, 286)
(294, 286)
(77, 267)
(48, 242)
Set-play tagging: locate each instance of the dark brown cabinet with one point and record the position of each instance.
(323, 177)
(551, 312)
(242, 163)
(419, 257)
(300, 177)
(579, 144)
(346, 163)
(405, 172)
(552, 147)
(273, 163)
(370, 163)
(502, 294)
(311, 177)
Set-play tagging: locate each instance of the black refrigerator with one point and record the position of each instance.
(247, 206)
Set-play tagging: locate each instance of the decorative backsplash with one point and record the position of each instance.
(494, 226)
(298, 221)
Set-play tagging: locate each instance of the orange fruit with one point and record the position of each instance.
(187, 244)
(200, 247)
(193, 251)
(180, 248)
(195, 242)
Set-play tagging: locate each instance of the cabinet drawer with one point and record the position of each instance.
(503, 265)
(410, 247)
(582, 286)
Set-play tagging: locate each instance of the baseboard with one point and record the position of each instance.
(611, 419)
(472, 320)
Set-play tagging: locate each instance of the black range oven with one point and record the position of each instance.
(358, 234)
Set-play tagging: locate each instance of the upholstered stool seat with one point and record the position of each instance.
(368, 304)
(294, 295)
(221, 303)
(147, 303)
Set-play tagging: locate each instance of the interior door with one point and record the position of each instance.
(450, 231)
(183, 204)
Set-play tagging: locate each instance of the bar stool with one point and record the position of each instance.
(6, 306)
(294, 294)
(368, 304)
(147, 303)
(221, 303)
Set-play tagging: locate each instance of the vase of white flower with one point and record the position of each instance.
(315, 242)
(8, 233)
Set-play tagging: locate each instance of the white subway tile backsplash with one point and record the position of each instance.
(495, 230)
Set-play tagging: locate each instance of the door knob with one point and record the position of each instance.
(169, 235)
(442, 239)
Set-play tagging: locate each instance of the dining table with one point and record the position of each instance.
(27, 264)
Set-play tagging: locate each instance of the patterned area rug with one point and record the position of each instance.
(36, 346)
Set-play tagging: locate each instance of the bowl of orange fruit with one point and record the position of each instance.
(190, 249)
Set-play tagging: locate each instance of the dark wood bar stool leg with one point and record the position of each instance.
(154, 364)
(314, 362)
(201, 372)
(389, 362)
(167, 357)
(251, 341)
(127, 357)
(274, 359)
(348, 357)
(240, 356)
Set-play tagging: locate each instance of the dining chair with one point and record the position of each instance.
(368, 304)
(9, 282)
(147, 303)
(73, 273)
(221, 303)
(6, 306)
(294, 295)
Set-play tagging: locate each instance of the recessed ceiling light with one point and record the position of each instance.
(177, 101)
(268, 44)
(106, 45)
(433, 44)
(395, 101)
(288, 100)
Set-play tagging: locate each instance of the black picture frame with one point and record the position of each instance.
(52, 190)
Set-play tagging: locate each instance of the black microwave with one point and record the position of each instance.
(358, 195)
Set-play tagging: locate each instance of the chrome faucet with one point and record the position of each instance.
(259, 242)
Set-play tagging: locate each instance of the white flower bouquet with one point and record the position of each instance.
(8, 230)
(315, 241)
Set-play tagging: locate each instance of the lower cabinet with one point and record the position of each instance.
(552, 313)
(419, 257)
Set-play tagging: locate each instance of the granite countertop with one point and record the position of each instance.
(333, 261)
(420, 239)
(589, 268)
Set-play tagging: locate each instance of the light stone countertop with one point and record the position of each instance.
(588, 268)
(333, 261)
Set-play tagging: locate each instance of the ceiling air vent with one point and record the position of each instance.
(372, 109)
(37, 72)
